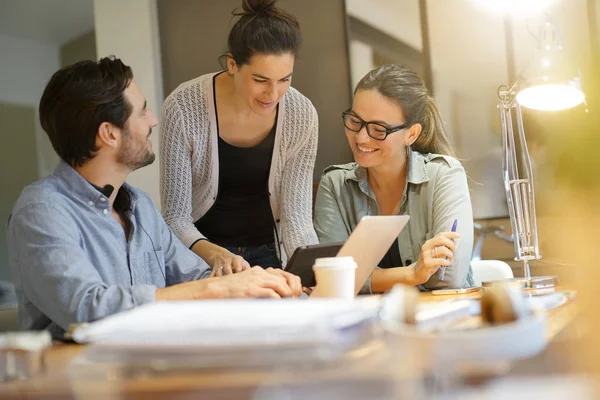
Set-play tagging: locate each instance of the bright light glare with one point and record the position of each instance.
(550, 97)
(517, 7)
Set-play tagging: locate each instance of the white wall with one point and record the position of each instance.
(361, 61)
(398, 18)
(129, 30)
(468, 56)
(570, 16)
(25, 69)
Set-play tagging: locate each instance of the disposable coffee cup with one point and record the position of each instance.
(335, 277)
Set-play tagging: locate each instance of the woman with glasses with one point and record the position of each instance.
(403, 167)
(238, 149)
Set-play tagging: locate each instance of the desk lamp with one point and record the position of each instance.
(550, 86)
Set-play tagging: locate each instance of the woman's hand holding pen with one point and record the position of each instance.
(435, 253)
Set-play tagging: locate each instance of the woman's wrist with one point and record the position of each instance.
(198, 248)
(207, 251)
(384, 279)
(417, 278)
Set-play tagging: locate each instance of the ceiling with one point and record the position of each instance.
(49, 22)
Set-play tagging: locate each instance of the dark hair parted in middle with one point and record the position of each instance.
(264, 29)
(78, 99)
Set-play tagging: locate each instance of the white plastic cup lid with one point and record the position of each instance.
(335, 262)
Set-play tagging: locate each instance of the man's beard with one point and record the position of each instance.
(133, 153)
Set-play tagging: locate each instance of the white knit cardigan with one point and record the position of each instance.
(189, 167)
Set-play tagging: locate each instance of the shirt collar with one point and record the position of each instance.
(417, 171)
(79, 185)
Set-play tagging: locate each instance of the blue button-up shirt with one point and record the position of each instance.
(71, 261)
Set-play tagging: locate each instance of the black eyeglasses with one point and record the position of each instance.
(374, 129)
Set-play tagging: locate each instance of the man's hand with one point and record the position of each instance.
(258, 283)
(255, 282)
(292, 280)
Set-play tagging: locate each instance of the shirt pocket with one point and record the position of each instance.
(154, 267)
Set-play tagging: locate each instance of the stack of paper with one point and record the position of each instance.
(230, 333)
(229, 322)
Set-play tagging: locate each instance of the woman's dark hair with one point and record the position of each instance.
(78, 99)
(264, 29)
(407, 90)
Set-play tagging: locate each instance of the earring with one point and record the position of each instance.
(407, 151)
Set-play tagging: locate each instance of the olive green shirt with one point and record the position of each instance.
(436, 193)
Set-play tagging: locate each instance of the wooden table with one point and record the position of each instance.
(363, 376)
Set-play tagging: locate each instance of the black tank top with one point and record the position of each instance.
(241, 215)
(392, 257)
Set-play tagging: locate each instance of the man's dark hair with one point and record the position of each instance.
(78, 99)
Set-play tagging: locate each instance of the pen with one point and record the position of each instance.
(453, 230)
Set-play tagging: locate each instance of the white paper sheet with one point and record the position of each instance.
(227, 322)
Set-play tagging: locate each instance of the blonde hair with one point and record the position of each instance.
(408, 90)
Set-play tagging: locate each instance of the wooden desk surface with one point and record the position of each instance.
(63, 380)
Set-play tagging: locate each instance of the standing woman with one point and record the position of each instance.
(403, 167)
(238, 149)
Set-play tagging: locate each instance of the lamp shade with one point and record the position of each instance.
(551, 82)
(550, 97)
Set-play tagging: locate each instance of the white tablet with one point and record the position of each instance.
(368, 243)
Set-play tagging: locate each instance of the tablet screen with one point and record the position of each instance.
(303, 259)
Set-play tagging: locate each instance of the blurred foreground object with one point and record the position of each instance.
(22, 354)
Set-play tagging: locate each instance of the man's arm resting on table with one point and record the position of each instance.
(201, 289)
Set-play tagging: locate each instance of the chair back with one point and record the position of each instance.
(490, 270)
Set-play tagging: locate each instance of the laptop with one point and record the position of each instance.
(368, 243)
